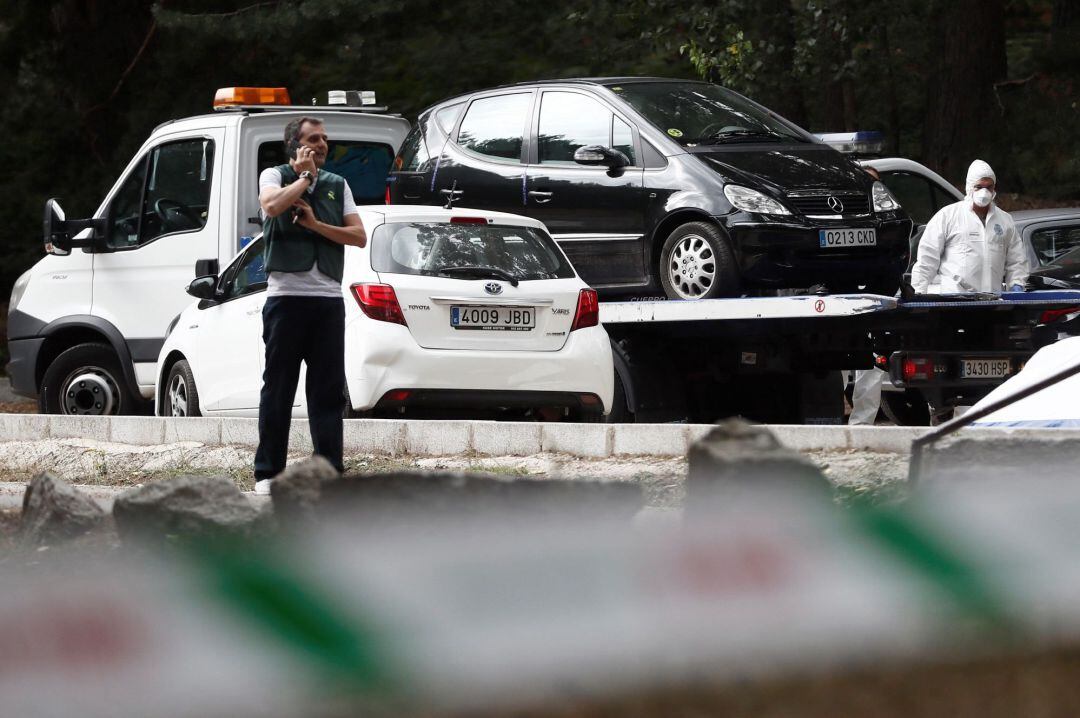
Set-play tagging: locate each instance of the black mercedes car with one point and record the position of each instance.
(653, 184)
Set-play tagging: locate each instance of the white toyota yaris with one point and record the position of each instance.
(447, 313)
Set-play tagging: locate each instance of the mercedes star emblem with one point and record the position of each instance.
(835, 204)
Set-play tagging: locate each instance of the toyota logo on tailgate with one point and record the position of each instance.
(493, 288)
(835, 204)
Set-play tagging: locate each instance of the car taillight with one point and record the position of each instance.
(588, 310)
(388, 194)
(918, 369)
(1053, 315)
(468, 220)
(379, 302)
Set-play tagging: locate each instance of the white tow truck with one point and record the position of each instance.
(87, 321)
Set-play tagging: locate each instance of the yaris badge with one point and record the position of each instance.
(835, 204)
(493, 288)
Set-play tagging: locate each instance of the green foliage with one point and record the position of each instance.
(82, 82)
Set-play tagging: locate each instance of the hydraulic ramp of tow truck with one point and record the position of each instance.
(827, 306)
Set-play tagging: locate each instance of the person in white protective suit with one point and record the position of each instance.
(971, 245)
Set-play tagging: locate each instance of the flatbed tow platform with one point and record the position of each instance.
(780, 358)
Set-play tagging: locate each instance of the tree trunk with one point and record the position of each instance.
(964, 118)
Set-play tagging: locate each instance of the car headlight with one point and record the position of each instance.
(18, 290)
(750, 200)
(883, 199)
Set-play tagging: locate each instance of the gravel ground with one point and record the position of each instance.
(96, 463)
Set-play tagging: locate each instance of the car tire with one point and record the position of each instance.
(348, 412)
(620, 411)
(86, 379)
(697, 262)
(181, 395)
(905, 408)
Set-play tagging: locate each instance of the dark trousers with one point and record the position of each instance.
(311, 329)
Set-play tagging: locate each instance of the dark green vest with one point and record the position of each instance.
(292, 248)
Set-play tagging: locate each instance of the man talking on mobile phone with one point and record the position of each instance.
(309, 217)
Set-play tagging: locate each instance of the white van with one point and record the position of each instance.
(86, 323)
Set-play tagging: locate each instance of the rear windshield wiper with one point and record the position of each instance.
(740, 134)
(479, 272)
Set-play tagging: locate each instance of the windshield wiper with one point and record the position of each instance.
(479, 272)
(726, 135)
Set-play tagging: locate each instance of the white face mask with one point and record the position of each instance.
(982, 197)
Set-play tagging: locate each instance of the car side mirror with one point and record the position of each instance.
(600, 156)
(203, 287)
(62, 234)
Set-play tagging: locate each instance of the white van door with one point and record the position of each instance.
(162, 219)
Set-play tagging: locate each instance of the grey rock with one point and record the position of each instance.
(296, 490)
(187, 506)
(54, 510)
(736, 455)
(375, 497)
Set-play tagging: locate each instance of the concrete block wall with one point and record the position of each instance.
(441, 438)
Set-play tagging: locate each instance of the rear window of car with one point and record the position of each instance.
(429, 248)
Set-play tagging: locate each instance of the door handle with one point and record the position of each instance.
(254, 311)
(541, 197)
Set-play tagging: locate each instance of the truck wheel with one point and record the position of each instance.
(906, 408)
(697, 263)
(86, 379)
(181, 395)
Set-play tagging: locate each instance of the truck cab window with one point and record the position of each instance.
(124, 230)
(364, 165)
(169, 193)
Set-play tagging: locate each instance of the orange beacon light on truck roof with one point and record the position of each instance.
(236, 96)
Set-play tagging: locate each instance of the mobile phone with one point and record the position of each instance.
(291, 148)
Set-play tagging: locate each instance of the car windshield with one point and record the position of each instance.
(695, 113)
(467, 251)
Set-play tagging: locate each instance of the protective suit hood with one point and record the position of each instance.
(977, 171)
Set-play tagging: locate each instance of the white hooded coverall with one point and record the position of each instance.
(959, 253)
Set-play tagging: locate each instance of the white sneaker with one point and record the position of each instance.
(262, 488)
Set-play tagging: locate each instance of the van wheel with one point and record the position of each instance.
(86, 379)
(697, 263)
(181, 395)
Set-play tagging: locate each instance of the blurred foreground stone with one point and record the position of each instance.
(186, 506)
(311, 489)
(737, 455)
(54, 510)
